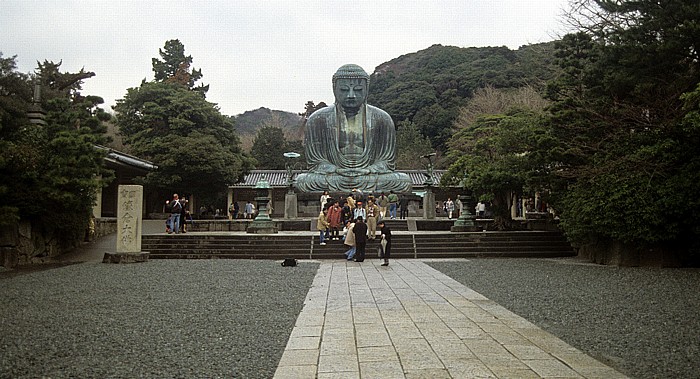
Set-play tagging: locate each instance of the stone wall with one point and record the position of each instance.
(610, 252)
(28, 243)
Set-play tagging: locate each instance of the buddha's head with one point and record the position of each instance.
(350, 86)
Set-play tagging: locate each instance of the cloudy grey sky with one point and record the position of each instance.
(276, 53)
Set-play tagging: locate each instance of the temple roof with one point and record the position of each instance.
(119, 158)
(278, 178)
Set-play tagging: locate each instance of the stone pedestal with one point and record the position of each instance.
(262, 224)
(129, 221)
(429, 205)
(465, 221)
(290, 206)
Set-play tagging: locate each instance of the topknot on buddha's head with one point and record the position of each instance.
(350, 71)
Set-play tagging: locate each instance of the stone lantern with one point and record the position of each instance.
(465, 221)
(262, 224)
(290, 199)
(429, 197)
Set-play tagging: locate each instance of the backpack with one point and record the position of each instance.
(176, 208)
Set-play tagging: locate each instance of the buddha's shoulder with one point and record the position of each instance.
(377, 113)
(323, 113)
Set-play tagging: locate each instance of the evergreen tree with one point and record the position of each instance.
(626, 135)
(50, 173)
(175, 66)
(170, 123)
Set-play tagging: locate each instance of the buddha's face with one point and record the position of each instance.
(350, 93)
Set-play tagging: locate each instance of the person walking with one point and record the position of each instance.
(393, 202)
(360, 231)
(322, 226)
(386, 241)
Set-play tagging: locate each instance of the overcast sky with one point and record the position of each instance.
(275, 54)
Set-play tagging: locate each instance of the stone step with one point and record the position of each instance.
(431, 245)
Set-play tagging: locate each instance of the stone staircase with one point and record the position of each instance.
(404, 245)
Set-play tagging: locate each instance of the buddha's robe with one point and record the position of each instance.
(351, 152)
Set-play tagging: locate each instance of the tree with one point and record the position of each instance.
(169, 122)
(496, 150)
(268, 148)
(622, 116)
(195, 148)
(271, 142)
(175, 66)
(410, 146)
(54, 166)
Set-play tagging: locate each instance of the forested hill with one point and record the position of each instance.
(428, 86)
(249, 122)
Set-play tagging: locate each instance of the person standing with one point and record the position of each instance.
(335, 219)
(403, 206)
(236, 210)
(249, 210)
(449, 207)
(393, 202)
(350, 240)
(458, 207)
(175, 209)
(386, 241)
(360, 231)
(322, 226)
(383, 203)
(350, 200)
(481, 209)
(372, 216)
(183, 215)
(359, 211)
(324, 200)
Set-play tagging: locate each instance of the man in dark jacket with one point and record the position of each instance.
(386, 241)
(360, 231)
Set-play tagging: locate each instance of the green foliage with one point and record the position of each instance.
(498, 155)
(195, 148)
(175, 67)
(627, 137)
(269, 147)
(50, 173)
(410, 146)
(429, 86)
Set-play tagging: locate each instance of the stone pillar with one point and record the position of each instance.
(429, 204)
(290, 206)
(129, 221)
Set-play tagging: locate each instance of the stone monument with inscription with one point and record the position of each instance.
(351, 144)
(129, 221)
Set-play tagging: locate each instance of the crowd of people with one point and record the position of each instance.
(358, 219)
(179, 217)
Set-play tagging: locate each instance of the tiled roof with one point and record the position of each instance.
(126, 159)
(278, 178)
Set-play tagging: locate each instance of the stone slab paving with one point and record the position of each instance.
(408, 320)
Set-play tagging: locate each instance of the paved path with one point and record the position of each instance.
(411, 321)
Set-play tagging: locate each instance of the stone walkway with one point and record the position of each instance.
(411, 321)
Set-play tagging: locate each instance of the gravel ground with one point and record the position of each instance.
(164, 318)
(645, 322)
